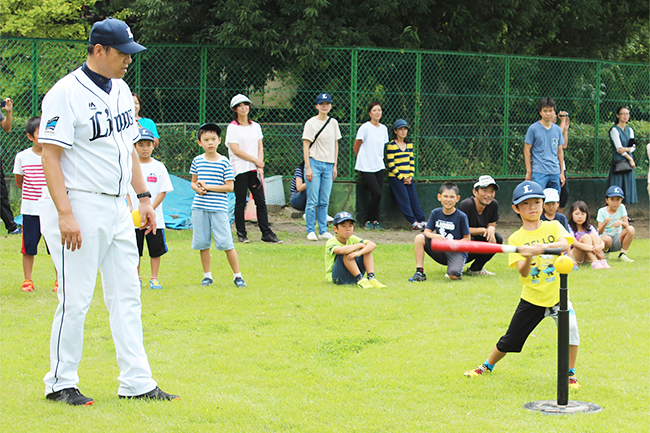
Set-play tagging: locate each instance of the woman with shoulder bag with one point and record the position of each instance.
(621, 171)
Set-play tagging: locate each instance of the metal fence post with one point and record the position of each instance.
(35, 107)
(137, 60)
(597, 120)
(203, 91)
(354, 70)
(506, 116)
(418, 105)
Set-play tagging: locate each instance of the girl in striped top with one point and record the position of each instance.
(399, 156)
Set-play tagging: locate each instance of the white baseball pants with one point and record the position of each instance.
(108, 245)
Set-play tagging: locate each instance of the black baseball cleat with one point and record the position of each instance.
(72, 396)
(156, 394)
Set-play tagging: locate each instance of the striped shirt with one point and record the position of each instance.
(28, 164)
(400, 162)
(213, 173)
(298, 174)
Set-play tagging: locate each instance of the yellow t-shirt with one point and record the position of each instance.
(542, 285)
(330, 255)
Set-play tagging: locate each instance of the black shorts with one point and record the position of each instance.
(526, 318)
(155, 243)
(31, 235)
(454, 261)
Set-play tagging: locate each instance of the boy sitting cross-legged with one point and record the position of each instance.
(348, 257)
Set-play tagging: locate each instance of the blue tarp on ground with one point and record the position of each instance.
(177, 205)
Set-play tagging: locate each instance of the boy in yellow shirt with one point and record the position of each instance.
(541, 291)
(348, 257)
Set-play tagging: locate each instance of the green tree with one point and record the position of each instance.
(55, 19)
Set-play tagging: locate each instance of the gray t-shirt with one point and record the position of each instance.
(324, 148)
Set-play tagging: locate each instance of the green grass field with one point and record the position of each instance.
(293, 353)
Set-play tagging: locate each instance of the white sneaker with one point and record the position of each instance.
(330, 219)
(481, 272)
(312, 237)
(325, 236)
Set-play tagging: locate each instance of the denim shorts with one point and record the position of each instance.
(217, 223)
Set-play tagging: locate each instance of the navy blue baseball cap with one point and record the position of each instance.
(146, 134)
(342, 216)
(525, 190)
(323, 97)
(210, 126)
(116, 34)
(400, 123)
(614, 191)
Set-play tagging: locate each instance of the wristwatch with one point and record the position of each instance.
(144, 194)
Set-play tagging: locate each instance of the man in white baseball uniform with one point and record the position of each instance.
(88, 131)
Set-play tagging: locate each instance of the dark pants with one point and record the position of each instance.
(245, 182)
(7, 215)
(481, 259)
(374, 181)
(407, 200)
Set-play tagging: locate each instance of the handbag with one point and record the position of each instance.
(621, 167)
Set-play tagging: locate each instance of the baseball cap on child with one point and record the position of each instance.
(238, 99)
(116, 34)
(614, 191)
(400, 123)
(146, 134)
(342, 216)
(551, 195)
(323, 97)
(525, 190)
(210, 126)
(485, 181)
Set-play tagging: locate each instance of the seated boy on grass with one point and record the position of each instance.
(348, 257)
(445, 223)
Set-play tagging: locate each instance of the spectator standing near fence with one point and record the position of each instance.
(543, 152)
(7, 214)
(320, 148)
(144, 122)
(246, 151)
(621, 170)
(565, 122)
(372, 136)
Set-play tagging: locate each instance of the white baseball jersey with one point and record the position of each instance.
(97, 129)
(157, 179)
(29, 165)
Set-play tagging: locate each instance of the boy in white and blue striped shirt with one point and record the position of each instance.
(212, 179)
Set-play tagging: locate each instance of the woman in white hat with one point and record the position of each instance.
(246, 152)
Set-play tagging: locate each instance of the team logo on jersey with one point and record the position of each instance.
(91, 106)
(103, 124)
(51, 124)
(555, 141)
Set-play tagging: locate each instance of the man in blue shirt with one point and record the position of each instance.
(543, 151)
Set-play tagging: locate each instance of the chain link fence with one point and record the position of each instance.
(468, 112)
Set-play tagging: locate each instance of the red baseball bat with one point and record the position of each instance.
(477, 247)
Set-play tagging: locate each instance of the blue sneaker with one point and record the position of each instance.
(206, 281)
(154, 284)
(18, 231)
(239, 282)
